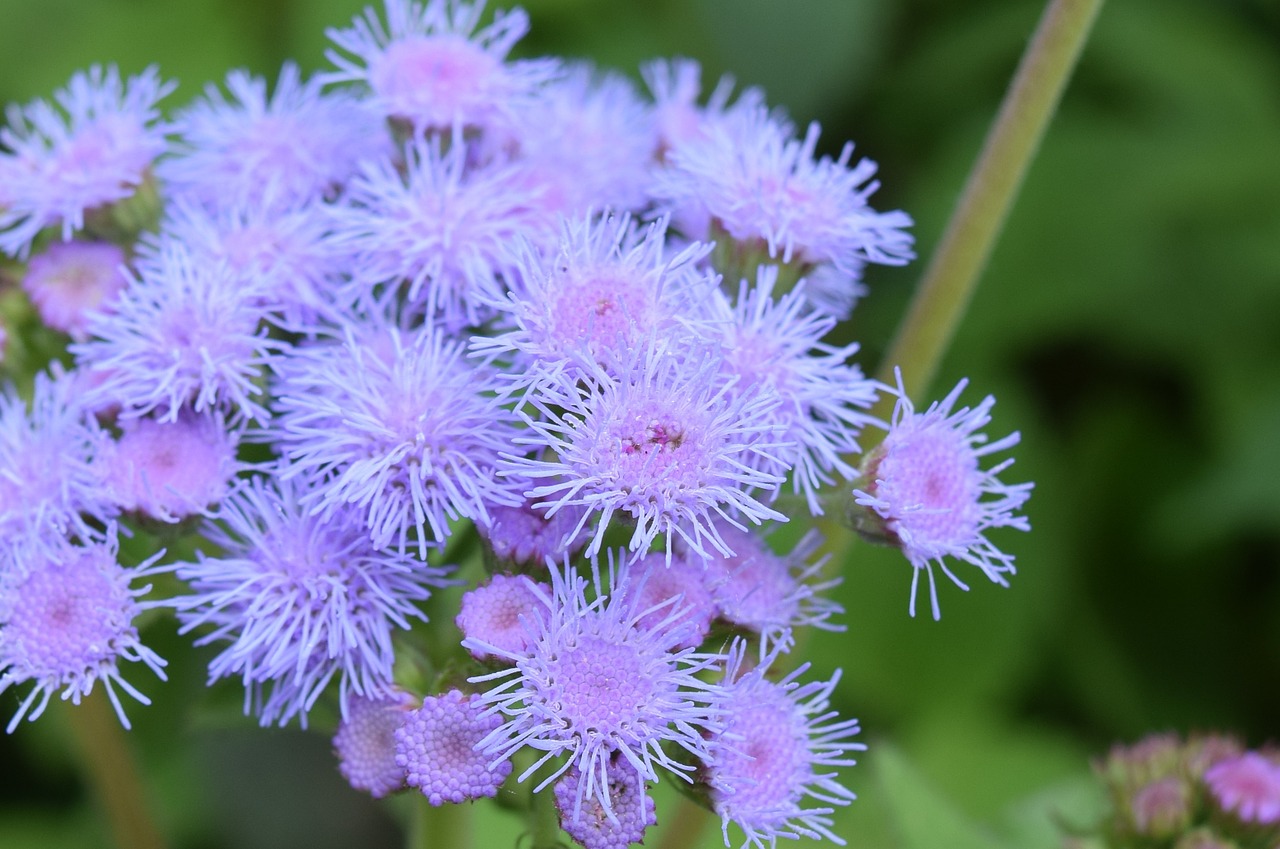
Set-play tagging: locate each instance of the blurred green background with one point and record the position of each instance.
(1129, 325)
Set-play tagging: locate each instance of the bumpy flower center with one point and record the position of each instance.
(935, 472)
(769, 764)
(598, 310)
(598, 687)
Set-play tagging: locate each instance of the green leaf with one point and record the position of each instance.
(923, 817)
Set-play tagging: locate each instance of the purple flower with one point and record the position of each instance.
(95, 147)
(397, 425)
(429, 66)
(437, 227)
(775, 346)
(609, 286)
(594, 685)
(52, 479)
(676, 85)
(619, 824)
(664, 443)
(301, 599)
(523, 534)
(491, 613)
(69, 280)
(1248, 786)
(660, 585)
(754, 181)
(365, 743)
(924, 484)
(297, 145)
(67, 622)
(437, 749)
(169, 470)
(766, 761)
(184, 333)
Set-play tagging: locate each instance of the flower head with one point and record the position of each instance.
(429, 67)
(69, 280)
(662, 443)
(523, 534)
(766, 762)
(932, 498)
(95, 147)
(365, 743)
(297, 145)
(594, 685)
(301, 599)
(67, 622)
(437, 749)
(491, 613)
(1248, 786)
(619, 824)
(397, 425)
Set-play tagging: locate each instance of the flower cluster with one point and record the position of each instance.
(438, 303)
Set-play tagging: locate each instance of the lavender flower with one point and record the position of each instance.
(931, 498)
(296, 145)
(301, 599)
(437, 749)
(95, 147)
(765, 763)
(365, 743)
(492, 612)
(430, 68)
(1248, 786)
(593, 684)
(397, 426)
(619, 824)
(664, 443)
(69, 280)
(658, 584)
(183, 334)
(523, 534)
(67, 622)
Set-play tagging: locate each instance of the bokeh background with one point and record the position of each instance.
(1129, 325)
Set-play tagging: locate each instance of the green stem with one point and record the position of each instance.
(948, 283)
(446, 826)
(544, 819)
(110, 769)
(686, 828)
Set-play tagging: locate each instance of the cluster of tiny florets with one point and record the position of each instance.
(436, 303)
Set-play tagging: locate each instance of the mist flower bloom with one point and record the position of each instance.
(52, 476)
(169, 470)
(925, 484)
(1248, 786)
(751, 180)
(430, 67)
(365, 743)
(297, 144)
(69, 280)
(618, 825)
(397, 426)
(491, 613)
(657, 586)
(183, 334)
(662, 443)
(769, 759)
(437, 749)
(95, 147)
(299, 600)
(67, 622)
(523, 534)
(594, 686)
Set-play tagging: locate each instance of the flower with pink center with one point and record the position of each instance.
(67, 622)
(596, 687)
(524, 534)
(660, 586)
(767, 593)
(758, 185)
(664, 444)
(94, 148)
(1248, 786)
(169, 470)
(435, 230)
(608, 287)
(618, 825)
(402, 428)
(928, 495)
(492, 613)
(437, 749)
(429, 67)
(365, 742)
(69, 280)
(297, 145)
(775, 345)
(767, 761)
